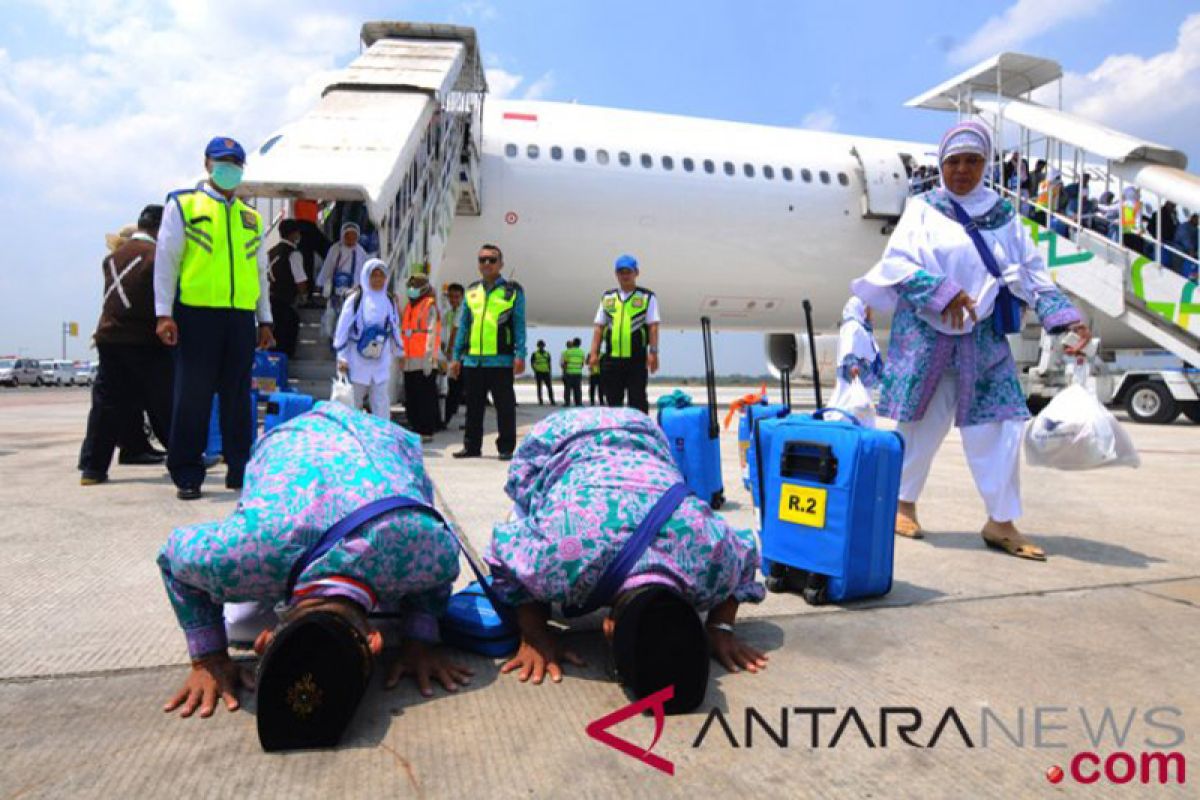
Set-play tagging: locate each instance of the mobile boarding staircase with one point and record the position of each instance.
(399, 132)
(1134, 301)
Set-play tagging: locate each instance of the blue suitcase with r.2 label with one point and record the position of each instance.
(695, 436)
(828, 505)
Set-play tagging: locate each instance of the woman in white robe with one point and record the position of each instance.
(367, 338)
(948, 358)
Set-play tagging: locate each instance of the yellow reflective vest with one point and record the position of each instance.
(625, 333)
(219, 265)
(491, 331)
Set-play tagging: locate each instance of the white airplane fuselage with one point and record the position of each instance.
(743, 249)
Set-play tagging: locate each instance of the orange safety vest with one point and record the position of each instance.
(419, 321)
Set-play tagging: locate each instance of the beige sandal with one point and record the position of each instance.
(1014, 543)
(908, 528)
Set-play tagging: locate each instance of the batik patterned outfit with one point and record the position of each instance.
(304, 476)
(581, 482)
(935, 374)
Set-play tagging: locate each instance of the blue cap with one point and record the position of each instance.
(626, 262)
(224, 147)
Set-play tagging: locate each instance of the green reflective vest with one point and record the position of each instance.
(625, 334)
(573, 360)
(540, 361)
(491, 331)
(219, 266)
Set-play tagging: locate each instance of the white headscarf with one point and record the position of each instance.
(854, 334)
(969, 137)
(374, 307)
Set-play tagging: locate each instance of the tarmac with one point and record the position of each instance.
(1029, 657)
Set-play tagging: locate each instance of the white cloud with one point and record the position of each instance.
(821, 119)
(1020, 22)
(1156, 97)
(504, 84)
(501, 82)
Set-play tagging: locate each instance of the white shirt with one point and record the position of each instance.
(652, 317)
(296, 264)
(169, 252)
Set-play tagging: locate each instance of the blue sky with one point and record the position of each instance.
(105, 104)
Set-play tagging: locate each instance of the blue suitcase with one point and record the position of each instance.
(828, 505)
(282, 406)
(750, 416)
(471, 623)
(270, 373)
(213, 448)
(695, 436)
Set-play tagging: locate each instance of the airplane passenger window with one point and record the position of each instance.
(510, 150)
(709, 166)
(787, 173)
(623, 157)
(843, 179)
(824, 176)
(556, 153)
(601, 156)
(532, 151)
(729, 168)
(580, 154)
(668, 162)
(806, 175)
(748, 169)
(647, 161)
(768, 172)
(688, 165)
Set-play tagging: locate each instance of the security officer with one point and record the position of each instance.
(421, 332)
(210, 283)
(540, 363)
(627, 323)
(573, 360)
(489, 352)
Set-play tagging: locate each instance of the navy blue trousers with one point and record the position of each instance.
(215, 355)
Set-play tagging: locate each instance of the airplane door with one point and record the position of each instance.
(885, 179)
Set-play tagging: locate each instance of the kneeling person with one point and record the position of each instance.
(274, 548)
(582, 482)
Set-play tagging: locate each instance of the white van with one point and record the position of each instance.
(58, 372)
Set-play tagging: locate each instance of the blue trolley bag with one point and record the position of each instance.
(829, 505)
(695, 436)
(282, 406)
(270, 373)
(214, 446)
(472, 623)
(750, 419)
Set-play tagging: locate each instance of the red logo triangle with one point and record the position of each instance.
(598, 729)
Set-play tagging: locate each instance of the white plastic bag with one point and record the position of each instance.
(1075, 432)
(342, 392)
(854, 399)
(328, 321)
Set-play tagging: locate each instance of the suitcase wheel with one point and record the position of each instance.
(776, 585)
(814, 595)
(717, 501)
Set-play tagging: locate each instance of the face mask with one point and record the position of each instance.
(414, 292)
(226, 176)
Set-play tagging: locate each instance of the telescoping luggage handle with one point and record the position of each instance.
(812, 351)
(710, 378)
(373, 511)
(618, 569)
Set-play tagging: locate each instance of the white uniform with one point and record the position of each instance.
(369, 376)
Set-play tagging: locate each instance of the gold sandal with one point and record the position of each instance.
(1015, 544)
(908, 528)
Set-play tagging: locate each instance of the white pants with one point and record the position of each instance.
(381, 401)
(993, 452)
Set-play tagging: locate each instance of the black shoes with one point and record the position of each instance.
(188, 492)
(465, 453)
(234, 481)
(147, 458)
(92, 478)
(505, 456)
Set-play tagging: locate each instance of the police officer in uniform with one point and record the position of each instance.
(627, 323)
(540, 363)
(210, 285)
(489, 352)
(573, 360)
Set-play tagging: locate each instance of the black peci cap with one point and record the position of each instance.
(150, 218)
(310, 682)
(659, 641)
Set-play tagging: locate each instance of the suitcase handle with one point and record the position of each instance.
(812, 460)
(821, 412)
